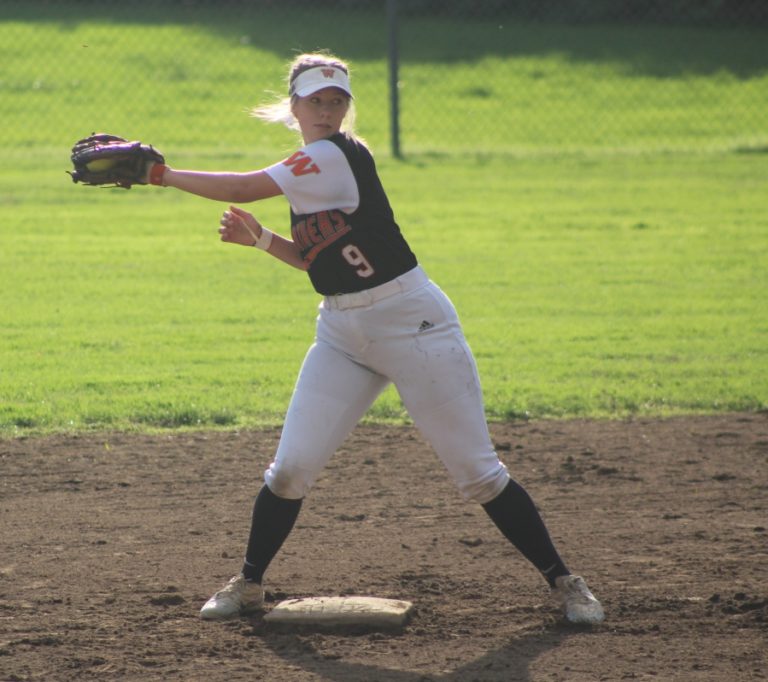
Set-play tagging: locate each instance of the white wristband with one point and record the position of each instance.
(264, 240)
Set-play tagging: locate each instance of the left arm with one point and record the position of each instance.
(234, 187)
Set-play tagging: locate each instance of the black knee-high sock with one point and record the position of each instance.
(516, 516)
(272, 522)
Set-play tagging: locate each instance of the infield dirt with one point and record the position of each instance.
(111, 543)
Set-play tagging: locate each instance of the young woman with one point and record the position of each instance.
(381, 320)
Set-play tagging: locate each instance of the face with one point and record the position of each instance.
(320, 114)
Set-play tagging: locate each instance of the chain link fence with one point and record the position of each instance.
(470, 76)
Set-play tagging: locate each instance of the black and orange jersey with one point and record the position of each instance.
(341, 218)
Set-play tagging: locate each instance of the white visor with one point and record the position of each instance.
(317, 78)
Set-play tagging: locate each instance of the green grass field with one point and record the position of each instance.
(606, 274)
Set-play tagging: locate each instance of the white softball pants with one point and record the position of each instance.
(406, 332)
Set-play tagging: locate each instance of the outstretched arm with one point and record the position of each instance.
(230, 187)
(240, 227)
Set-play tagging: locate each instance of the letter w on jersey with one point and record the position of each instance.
(301, 164)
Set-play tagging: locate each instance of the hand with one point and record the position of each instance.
(239, 227)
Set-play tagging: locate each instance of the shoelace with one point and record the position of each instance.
(230, 588)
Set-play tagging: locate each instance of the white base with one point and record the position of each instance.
(369, 611)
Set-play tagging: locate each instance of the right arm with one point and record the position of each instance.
(240, 227)
(237, 226)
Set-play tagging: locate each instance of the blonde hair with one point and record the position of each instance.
(280, 111)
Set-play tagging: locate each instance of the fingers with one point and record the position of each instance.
(234, 226)
(235, 215)
(228, 219)
(225, 226)
(228, 226)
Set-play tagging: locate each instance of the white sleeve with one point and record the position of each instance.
(317, 178)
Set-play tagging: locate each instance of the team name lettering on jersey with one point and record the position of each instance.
(317, 231)
(301, 164)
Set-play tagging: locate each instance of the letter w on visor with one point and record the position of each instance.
(317, 78)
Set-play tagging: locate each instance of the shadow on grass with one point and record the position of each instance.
(360, 34)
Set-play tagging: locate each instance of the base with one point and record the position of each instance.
(337, 611)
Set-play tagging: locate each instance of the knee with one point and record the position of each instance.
(288, 482)
(486, 488)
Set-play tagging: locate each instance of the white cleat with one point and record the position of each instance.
(578, 603)
(237, 597)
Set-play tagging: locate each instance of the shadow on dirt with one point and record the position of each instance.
(511, 662)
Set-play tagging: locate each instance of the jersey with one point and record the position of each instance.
(341, 218)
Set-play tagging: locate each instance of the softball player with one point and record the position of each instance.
(381, 320)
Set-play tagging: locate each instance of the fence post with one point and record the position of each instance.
(394, 100)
